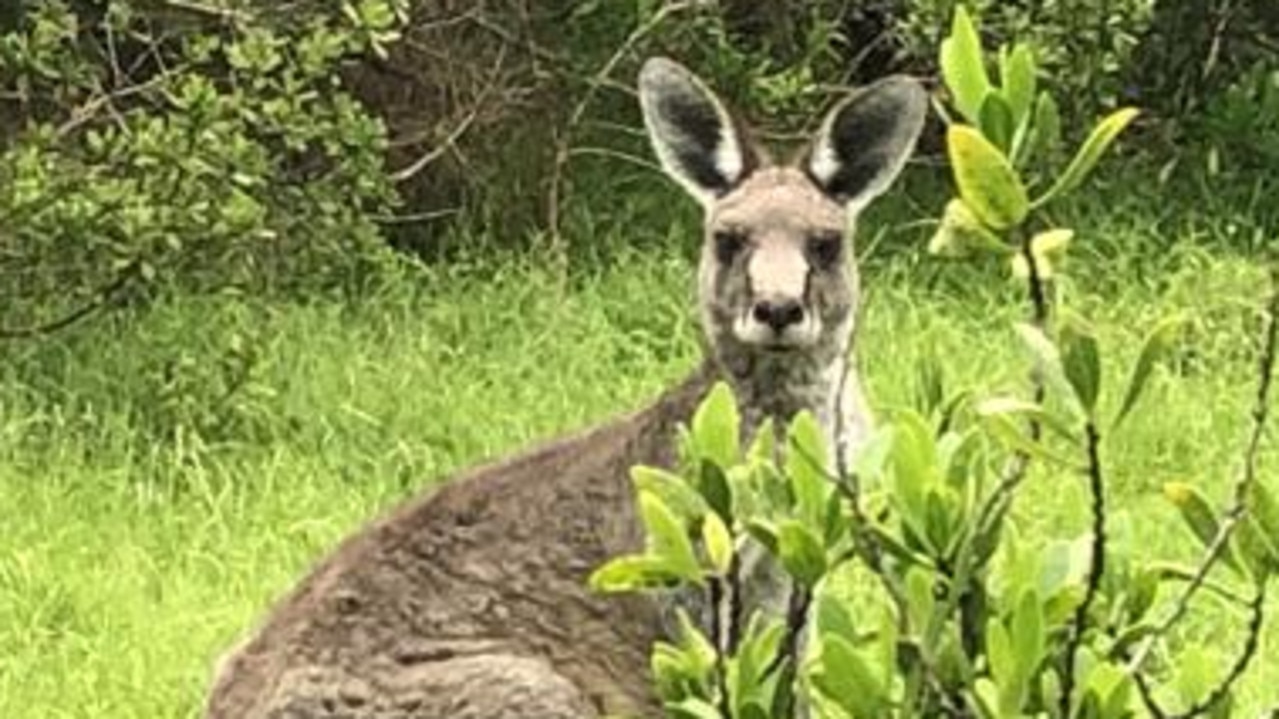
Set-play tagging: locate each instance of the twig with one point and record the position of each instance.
(616, 155)
(603, 75)
(871, 552)
(227, 15)
(1014, 470)
(1096, 568)
(102, 298)
(1147, 695)
(416, 217)
(736, 603)
(1239, 504)
(715, 596)
(458, 130)
(1255, 620)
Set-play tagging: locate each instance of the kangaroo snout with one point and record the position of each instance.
(778, 313)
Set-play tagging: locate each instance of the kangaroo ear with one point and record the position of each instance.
(865, 141)
(693, 135)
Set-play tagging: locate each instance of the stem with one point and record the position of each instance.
(715, 595)
(1015, 470)
(1239, 503)
(1256, 618)
(1097, 564)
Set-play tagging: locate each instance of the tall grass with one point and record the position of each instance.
(155, 496)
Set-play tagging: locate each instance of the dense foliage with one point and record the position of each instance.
(959, 615)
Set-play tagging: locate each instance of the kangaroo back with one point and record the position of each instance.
(472, 601)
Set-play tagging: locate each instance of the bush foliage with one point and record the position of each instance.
(959, 615)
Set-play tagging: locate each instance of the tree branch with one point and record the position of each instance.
(1248, 477)
(1096, 568)
(104, 297)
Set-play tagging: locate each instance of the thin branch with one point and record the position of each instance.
(1256, 618)
(458, 130)
(872, 553)
(1096, 568)
(600, 78)
(104, 297)
(736, 603)
(416, 217)
(616, 155)
(715, 596)
(1248, 477)
(1147, 694)
(1014, 470)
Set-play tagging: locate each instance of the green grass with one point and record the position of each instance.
(149, 514)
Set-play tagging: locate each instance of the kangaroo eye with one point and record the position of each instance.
(728, 245)
(825, 249)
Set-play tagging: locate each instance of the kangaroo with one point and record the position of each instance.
(471, 602)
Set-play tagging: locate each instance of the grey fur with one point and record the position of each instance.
(470, 602)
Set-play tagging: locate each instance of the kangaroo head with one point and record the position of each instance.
(778, 290)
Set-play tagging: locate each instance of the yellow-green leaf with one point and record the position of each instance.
(667, 537)
(987, 182)
(1017, 73)
(960, 234)
(1048, 248)
(1199, 516)
(718, 542)
(1156, 346)
(1089, 153)
(962, 68)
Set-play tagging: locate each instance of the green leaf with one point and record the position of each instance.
(1017, 74)
(1014, 436)
(718, 542)
(1199, 516)
(1050, 364)
(996, 121)
(845, 677)
(920, 601)
(806, 467)
(632, 573)
(694, 708)
(914, 469)
(674, 491)
(1028, 636)
(1264, 509)
(1046, 127)
(1017, 407)
(801, 553)
(962, 68)
(1259, 552)
(999, 653)
(765, 533)
(668, 537)
(714, 488)
(986, 180)
(1154, 349)
(716, 425)
(834, 618)
(1048, 247)
(1089, 154)
(1081, 360)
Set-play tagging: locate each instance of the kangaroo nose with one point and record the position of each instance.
(778, 314)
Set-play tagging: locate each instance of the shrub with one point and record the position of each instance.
(207, 147)
(960, 616)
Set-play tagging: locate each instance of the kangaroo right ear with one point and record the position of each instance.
(693, 135)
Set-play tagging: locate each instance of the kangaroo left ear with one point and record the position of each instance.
(693, 134)
(865, 141)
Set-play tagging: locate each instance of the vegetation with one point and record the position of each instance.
(212, 367)
(950, 612)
